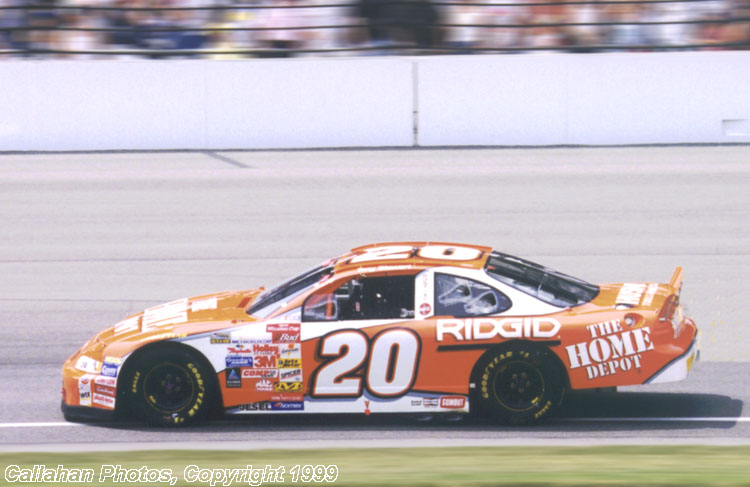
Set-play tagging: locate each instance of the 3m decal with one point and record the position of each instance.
(489, 328)
(265, 362)
(391, 359)
(611, 350)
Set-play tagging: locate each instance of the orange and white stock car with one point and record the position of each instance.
(409, 327)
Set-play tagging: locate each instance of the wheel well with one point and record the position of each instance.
(123, 394)
(501, 347)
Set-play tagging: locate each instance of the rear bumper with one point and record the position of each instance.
(678, 368)
(85, 413)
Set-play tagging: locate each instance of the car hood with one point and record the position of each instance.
(176, 319)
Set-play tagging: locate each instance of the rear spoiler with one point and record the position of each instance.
(676, 281)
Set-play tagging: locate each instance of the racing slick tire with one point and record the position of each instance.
(169, 387)
(519, 385)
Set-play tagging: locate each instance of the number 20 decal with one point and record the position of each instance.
(434, 251)
(390, 361)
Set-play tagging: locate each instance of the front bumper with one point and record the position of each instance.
(85, 413)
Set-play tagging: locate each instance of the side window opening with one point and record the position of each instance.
(461, 297)
(363, 298)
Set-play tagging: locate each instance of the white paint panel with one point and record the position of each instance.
(94, 105)
(309, 103)
(641, 98)
(492, 100)
(592, 99)
(195, 104)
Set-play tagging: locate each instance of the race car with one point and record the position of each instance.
(414, 327)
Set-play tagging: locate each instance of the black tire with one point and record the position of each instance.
(169, 387)
(520, 384)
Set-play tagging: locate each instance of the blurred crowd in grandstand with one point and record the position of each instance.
(276, 28)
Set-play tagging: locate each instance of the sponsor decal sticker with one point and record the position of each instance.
(430, 402)
(265, 349)
(287, 406)
(203, 304)
(265, 361)
(288, 386)
(128, 325)
(87, 364)
(255, 406)
(220, 338)
(105, 381)
(103, 400)
(264, 385)
(290, 350)
(290, 363)
(425, 309)
(260, 373)
(452, 402)
(240, 349)
(110, 370)
(490, 328)
(233, 380)
(650, 293)
(284, 332)
(106, 390)
(239, 361)
(84, 390)
(611, 350)
(287, 396)
(630, 294)
(290, 375)
(112, 360)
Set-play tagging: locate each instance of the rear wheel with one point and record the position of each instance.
(519, 385)
(169, 388)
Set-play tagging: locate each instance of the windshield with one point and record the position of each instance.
(543, 283)
(274, 298)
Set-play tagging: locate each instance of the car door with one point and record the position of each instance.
(359, 336)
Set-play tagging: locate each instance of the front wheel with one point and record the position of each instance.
(519, 385)
(169, 388)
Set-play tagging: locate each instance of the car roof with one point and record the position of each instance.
(399, 255)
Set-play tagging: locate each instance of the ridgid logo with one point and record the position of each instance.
(611, 350)
(489, 328)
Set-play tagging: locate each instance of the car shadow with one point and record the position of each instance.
(581, 412)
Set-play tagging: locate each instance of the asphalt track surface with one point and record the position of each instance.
(87, 239)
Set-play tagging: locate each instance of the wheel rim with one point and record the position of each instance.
(169, 387)
(519, 385)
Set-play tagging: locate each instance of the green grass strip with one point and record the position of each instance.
(627, 466)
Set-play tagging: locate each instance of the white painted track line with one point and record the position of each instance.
(728, 419)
